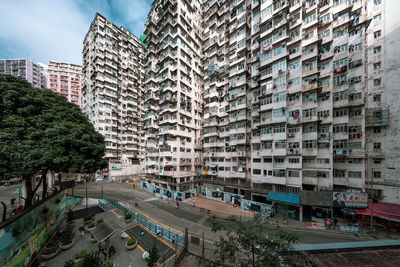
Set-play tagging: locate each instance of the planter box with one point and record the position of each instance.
(88, 222)
(68, 246)
(128, 220)
(131, 247)
(89, 229)
(50, 256)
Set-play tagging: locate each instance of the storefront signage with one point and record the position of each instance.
(349, 200)
(320, 214)
(350, 229)
(316, 225)
(253, 206)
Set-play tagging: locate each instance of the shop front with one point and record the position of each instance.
(286, 204)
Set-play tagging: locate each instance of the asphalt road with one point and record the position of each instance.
(179, 218)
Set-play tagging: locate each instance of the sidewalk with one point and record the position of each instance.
(222, 210)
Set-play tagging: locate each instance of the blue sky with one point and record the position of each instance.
(44, 30)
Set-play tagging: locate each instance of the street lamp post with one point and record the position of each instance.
(372, 198)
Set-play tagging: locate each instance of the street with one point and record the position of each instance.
(164, 213)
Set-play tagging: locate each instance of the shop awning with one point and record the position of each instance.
(286, 198)
(382, 210)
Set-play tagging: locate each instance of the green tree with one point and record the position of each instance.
(153, 257)
(254, 243)
(41, 131)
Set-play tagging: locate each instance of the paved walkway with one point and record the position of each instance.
(218, 206)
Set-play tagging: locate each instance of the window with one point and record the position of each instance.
(267, 160)
(377, 161)
(354, 161)
(354, 80)
(339, 173)
(377, 66)
(323, 161)
(294, 160)
(377, 49)
(280, 144)
(342, 95)
(352, 174)
(377, 174)
(340, 112)
(377, 82)
(257, 171)
(377, 17)
(377, 2)
(310, 144)
(377, 145)
(293, 174)
(256, 160)
(377, 34)
(377, 98)
(279, 160)
(377, 130)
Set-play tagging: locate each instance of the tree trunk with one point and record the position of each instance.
(44, 193)
(29, 191)
(252, 251)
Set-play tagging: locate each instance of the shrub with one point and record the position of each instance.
(100, 221)
(50, 250)
(128, 216)
(52, 243)
(91, 225)
(108, 264)
(69, 263)
(80, 254)
(89, 217)
(131, 241)
(70, 215)
(91, 259)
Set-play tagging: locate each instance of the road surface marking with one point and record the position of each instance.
(118, 216)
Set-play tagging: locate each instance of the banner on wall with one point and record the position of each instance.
(316, 225)
(349, 200)
(253, 206)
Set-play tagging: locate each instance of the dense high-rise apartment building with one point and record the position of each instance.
(112, 93)
(173, 88)
(296, 97)
(65, 79)
(32, 72)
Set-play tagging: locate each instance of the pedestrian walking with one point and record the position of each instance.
(82, 230)
(193, 202)
(284, 220)
(177, 204)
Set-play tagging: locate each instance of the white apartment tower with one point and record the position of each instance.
(112, 93)
(173, 88)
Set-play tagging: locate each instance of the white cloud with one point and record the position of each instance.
(45, 30)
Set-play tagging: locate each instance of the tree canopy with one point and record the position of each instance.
(255, 243)
(41, 131)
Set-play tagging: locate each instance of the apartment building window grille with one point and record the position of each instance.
(310, 18)
(339, 63)
(294, 81)
(354, 80)
(377, 66)
(340, 112)
(354, 145)
(278, 35)
(307, 144)
(340, 32)
(353, 174)
(279, 173)
(294, 97)
(280, 81)
(267, 160)
(323, 113)
(257, 171)
(309, 128)
(323, 145)
(294, 145)
(280, 144)
(355, 113)
(355, 64)
(377, 81)
(377, 34)
(340, 128)
(356, 47)
(339, 173)
(377, 145)
(323, 161)
(309, 160)
(279, 97)
(294, 129)
(257, 160)
(339, 80)
(340, 49)
(325, 18)
(377, 130)
(377, 161)
(309, 97)
(309, 35)
(280, 128)
(377, 174)
(339, 144)
(293, 174)
(377, 98)
(354, 161)
(294, 50)
(294, 160)
(324, 65)
(279, 160)
(309, 112)
(342, 95)
(323, 97)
